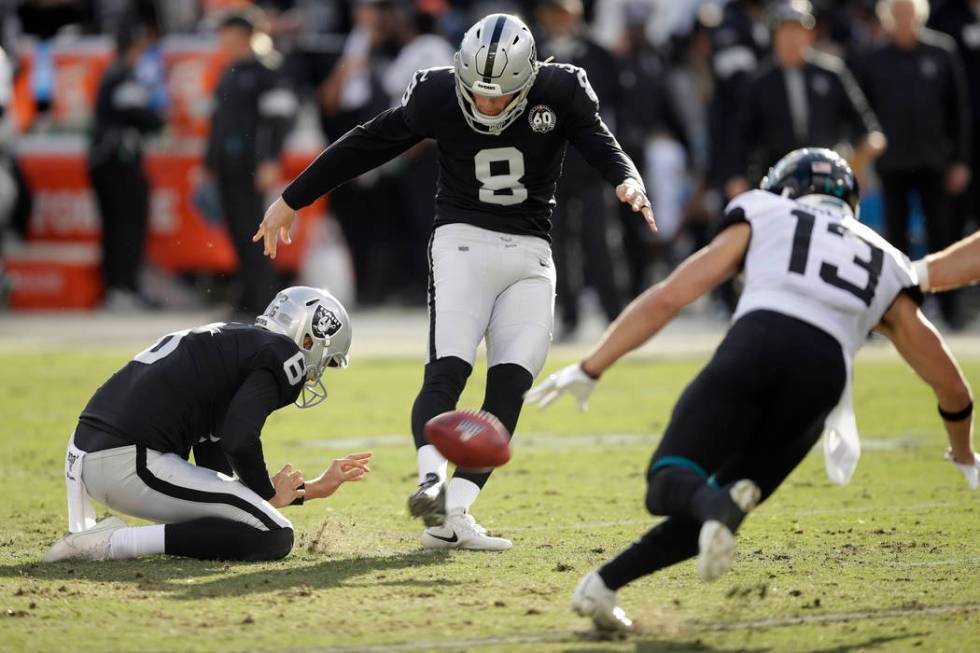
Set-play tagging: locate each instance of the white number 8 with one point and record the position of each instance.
(503, 189)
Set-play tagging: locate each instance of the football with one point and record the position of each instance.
(472, 439)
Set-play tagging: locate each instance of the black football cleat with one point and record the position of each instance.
(429, 501)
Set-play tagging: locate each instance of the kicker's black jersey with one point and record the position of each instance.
(203, 388)
(505, 182)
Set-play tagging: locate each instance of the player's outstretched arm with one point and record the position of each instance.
(361, 149)
(650, 312)
(918, 342)
(647, 314)
(957, 265)
(352, 467)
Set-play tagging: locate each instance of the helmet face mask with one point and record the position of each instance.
(319, 325)
(813, 171)
(496, 58)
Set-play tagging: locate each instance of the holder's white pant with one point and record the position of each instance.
(165, 488)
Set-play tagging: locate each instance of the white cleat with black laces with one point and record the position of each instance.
(594, 600)
(92, 544)
(716, 542)
(460, 531)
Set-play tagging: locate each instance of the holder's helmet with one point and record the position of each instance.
(496, 57)
(319, 325)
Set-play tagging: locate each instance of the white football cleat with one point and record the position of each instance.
(460, 531)
(716, 542)
(593, 599)
(92, 544)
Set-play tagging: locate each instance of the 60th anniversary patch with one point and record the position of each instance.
(542, 119)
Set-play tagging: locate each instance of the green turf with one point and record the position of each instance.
(888, 563)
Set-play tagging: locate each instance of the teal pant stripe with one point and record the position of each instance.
(686, 463)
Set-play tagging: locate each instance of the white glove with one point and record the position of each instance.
(970, 472)
(569, 379)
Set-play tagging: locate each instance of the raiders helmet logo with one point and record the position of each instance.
(542, 119)
(325, 323)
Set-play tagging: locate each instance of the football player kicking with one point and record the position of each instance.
(816, 282)
(501, 120)
(208, 390)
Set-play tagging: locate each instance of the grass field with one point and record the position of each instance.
(889, 563)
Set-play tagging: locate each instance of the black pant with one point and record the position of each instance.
(123, 195)
(581, 250)
(243, 207)
(930, 185)
(759, 406)
(753, 412)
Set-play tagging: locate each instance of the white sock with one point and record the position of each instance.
(461, 494)
(136, 541)
(431, 462)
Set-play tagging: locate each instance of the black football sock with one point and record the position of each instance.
(442, 384)
(669, 542)
(213, 538)
(504, 398)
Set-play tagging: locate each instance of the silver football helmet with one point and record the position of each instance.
(497, 57)
(318, 323)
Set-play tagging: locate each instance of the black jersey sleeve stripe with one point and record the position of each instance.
(498, 28)
(432, 304)
(198, 496)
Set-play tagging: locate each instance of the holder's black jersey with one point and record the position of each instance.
(203, 388)
(502, 182)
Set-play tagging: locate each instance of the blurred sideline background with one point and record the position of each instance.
(674, 77)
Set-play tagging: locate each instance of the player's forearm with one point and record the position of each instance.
(601, 149)
(361, 149)
(957, 265)
(643, 318)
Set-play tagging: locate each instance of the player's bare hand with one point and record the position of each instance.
(631, 192)
(288, 483)
(352, 467)
(572, 380)
(278, 220)
(969, 466)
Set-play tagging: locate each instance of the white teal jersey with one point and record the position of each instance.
(810, 259)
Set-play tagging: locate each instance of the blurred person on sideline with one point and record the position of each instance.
(914, 82)
(351, 94)
(124, 116)
(583, 211)
(799, 98)
(650, 130)
(253, 113)
(421, 47)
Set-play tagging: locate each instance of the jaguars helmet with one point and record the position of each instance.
(813, 171)
(496, 57)
(319, 325)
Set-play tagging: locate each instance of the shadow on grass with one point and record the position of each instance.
(194, 579)
(873, 642)
(661, 646)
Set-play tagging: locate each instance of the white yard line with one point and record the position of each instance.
(558, 441)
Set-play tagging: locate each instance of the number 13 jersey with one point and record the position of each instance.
(504, 182)
(813, 261)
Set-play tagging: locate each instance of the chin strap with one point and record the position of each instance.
(313, 394)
